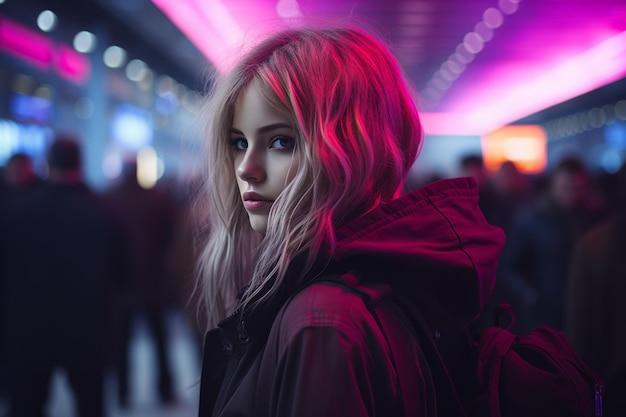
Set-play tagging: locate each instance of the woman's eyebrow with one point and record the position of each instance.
(265, 129)
(274, 126)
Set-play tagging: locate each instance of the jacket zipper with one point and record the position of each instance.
(598, 393)
(244, 337)
(242, 332)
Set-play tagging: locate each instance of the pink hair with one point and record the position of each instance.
(353, 108)
(360, 134)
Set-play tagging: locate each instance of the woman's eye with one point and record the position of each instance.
(239, 143)
(282, 142)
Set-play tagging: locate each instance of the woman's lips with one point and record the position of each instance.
(256, 204)
(255, 201)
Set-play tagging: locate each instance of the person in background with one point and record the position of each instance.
(62, 258)
(150, 215)
(182, 259)
(506, 192)
(310, 139)
(16, 178)
(513, 192)
(539, 244)
(502, 193)
(595, 307)
(19, 172)
(472, 165)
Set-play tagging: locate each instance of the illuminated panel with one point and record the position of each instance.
(147, 167)
(525, 145)
(131, 127)
(31, 109)
(503, 101)
(72, 65)
(218, 35)
(26, 44)
(193, 25)
(209, 25)
(217, 31)
(449, 124)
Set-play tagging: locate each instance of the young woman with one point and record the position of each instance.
(309, 141)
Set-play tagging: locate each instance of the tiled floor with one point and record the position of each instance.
(184, 356)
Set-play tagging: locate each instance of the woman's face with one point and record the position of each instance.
(263, 143)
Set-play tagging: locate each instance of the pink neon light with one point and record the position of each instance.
(192, 24)
(26, 44)
(449, 124)
(72, 65)
(511, 97)
(210, 25)
(510, 94)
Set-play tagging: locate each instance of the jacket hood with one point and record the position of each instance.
(432, 245)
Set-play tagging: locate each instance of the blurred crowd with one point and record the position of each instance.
(564, 260)
(77, 267)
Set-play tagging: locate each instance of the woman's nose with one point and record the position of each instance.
(252, 167)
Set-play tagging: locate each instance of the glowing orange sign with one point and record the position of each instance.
(525, 145)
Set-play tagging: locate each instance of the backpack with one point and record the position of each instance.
(515, 373)
(505, 375)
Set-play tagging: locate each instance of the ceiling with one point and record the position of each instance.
(526, 55)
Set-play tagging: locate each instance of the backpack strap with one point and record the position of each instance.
(449, 402)
(495, 343)
(439, 387)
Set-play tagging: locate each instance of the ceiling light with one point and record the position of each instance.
(484, 31)
(211, 27)
(441, 84)
(135, 70)
(493, 18)
(84, 42)
(46, 21)
(508, 6)
(473, 43)
(114, 57)
(454, 66)
(570, 78)
(448, 75)
(165, 84)
(463, 55)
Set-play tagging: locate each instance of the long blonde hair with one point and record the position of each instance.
(358, 135)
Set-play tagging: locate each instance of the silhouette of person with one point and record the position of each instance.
(536, 255)
(20, 173)
(183, 257)
(595, 310)
(16, 178)
(150, 215)
(472, 165)
(505, 193)
(62, 258)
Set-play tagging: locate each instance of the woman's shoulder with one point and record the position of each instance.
(325, 305)
(325, 302)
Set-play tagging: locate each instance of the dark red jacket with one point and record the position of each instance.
(321, 352)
